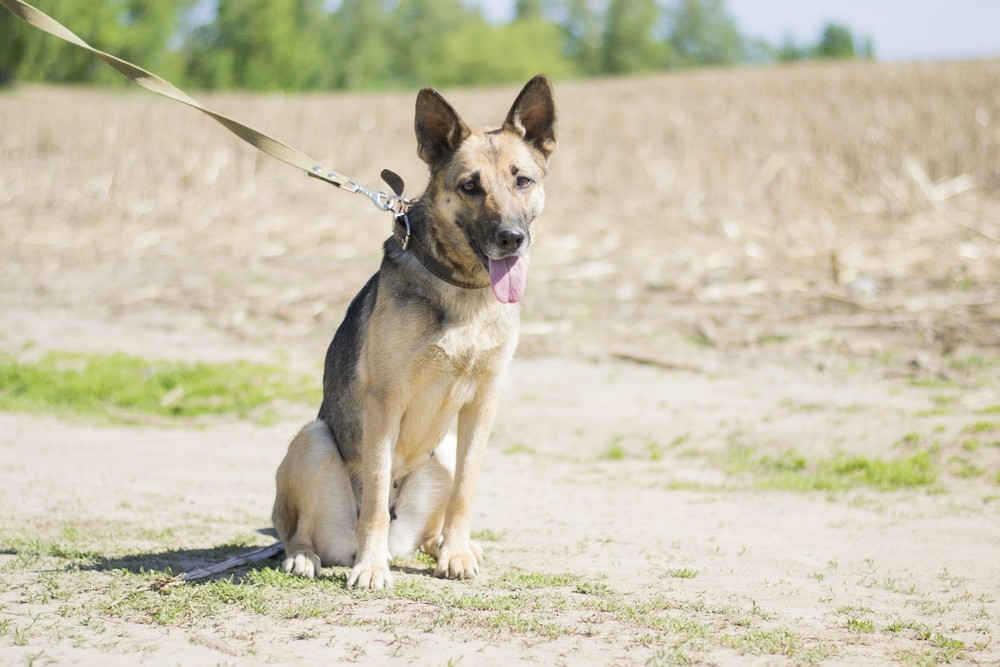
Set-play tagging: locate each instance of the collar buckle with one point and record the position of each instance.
(402, 218)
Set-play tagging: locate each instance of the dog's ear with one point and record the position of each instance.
(533, 115)
(439, 128)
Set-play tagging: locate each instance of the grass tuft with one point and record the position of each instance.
(682, 573)
(120, 388)
(487, 535)
(778, 641)
(790, 471)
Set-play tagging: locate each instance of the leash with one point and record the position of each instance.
(384, 201)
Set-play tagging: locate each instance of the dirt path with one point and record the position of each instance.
(616, 499)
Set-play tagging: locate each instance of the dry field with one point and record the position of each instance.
(755, 417)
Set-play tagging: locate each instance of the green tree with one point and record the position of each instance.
(528, 9)
(363, 45)
(146, 30)
(868, 48)
(258, 45)
(582, 38)
(629, 43)
(702, 33)
(836, 43)
(790, 52)
(418, 38)
(137, 30)
(481, 53)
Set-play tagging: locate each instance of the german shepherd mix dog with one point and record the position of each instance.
(426, 340)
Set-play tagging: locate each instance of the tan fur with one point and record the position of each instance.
(429, 352)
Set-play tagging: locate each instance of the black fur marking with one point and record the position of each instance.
(340, 409)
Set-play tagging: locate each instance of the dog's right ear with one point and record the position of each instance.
(440, 130)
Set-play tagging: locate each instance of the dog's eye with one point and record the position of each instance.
(469, 187)
(523, 182)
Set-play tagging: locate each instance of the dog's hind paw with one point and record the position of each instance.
(301, 563)
(431, 545)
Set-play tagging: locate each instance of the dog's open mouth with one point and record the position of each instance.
(508, 277)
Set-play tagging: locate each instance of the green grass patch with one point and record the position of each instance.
(778, 641)
(418, 559)
(861, 625)
(984, 426)
(974, 363)
(487, 535)
(970, 444)
(597, 588)
(519, 448)
(516, 581)
(655, 450)
(120, 388)
(911, 471)
(791, 471)
(615, 453)
(29, 551)
(682, 573)
(964, 468)
(657, 614)
(944, 650)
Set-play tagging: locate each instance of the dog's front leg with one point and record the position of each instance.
(371, 567)
(458, 556)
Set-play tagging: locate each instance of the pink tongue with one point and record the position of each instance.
(507, 277)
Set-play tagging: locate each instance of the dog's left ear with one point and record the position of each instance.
(533, 115)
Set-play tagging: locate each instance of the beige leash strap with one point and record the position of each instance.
(38, 19)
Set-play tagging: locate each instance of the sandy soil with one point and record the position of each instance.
(807, 562)
(631, 449)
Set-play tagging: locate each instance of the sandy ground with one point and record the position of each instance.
(616, 459)
(807, 562)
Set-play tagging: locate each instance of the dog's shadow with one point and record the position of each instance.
(170, 564)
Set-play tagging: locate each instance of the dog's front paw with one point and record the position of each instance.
(370, 575)
(459, 563)
(302, 563)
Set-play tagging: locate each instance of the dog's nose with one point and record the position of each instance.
(510, 239)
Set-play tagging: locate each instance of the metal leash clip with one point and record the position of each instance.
(382, 200)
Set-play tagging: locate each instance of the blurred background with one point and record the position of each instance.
(297, 45)
(776, 178)
(769, 264)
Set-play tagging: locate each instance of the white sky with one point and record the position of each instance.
(900, 29)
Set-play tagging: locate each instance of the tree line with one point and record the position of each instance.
(299, 45)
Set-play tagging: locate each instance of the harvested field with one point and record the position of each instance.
(755, 417)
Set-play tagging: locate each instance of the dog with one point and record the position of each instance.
(426, 340)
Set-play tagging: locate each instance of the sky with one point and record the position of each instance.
(900, 29)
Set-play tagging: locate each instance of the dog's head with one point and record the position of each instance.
(486, 185)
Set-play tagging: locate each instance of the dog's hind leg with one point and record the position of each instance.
(315, 512)
(418, 513)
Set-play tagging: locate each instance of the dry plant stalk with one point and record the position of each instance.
(239, 560)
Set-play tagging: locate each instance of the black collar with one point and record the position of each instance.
(409, 242)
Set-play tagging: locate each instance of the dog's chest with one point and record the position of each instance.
(457, 361)
(474, 344)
